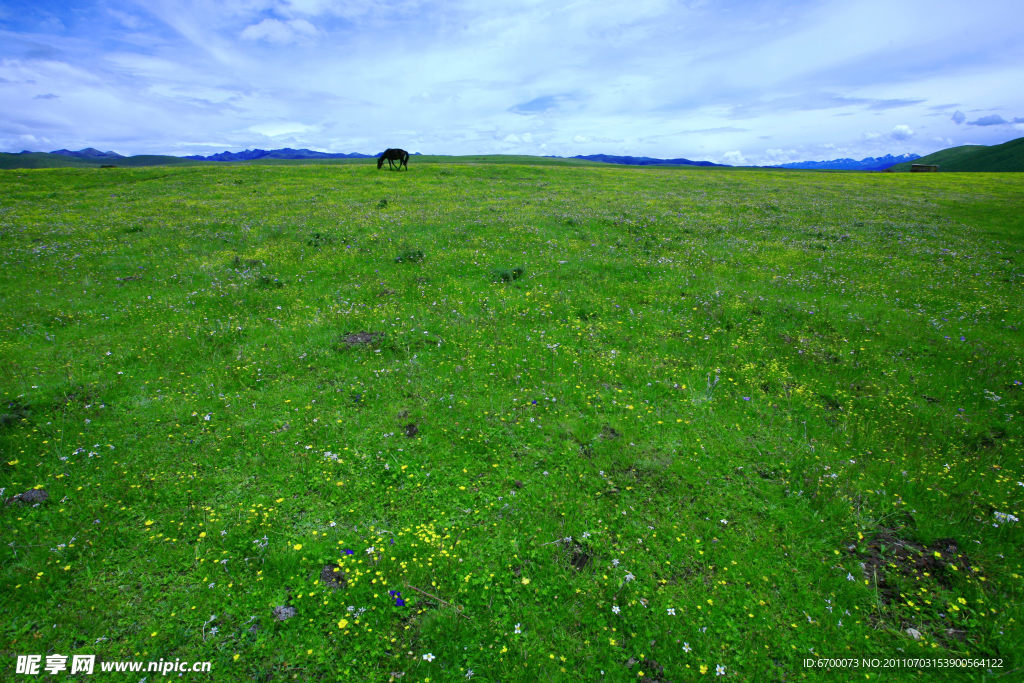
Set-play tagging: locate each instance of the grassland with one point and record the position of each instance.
(512, 422)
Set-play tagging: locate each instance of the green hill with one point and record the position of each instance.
(1008, 156)
(47, 160)
(40, 160)
(149, 160)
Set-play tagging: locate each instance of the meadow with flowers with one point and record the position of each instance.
(502, 420)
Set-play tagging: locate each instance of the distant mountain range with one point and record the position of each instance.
(91, 157)
(865, 164)
(84, 158)
(87, 153)
(286, 153)
(1008, 156)
(642, 161)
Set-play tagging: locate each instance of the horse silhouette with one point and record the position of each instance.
(393, 155)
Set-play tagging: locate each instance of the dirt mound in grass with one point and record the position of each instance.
(356, 339)
(888, 553)
(331, 575)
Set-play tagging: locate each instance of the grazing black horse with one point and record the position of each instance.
(393, 155)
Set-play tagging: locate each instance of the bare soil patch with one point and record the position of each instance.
(357, 339)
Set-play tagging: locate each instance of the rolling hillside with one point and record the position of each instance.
(1008, 156)
(41, 160)
(56, 160)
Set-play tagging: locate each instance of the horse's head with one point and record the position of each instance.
(380, 161)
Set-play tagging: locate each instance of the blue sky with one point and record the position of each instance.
(734, 82)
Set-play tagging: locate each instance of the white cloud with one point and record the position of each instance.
(644, 77)
(188, 144)
(130, 21)
(309, 7)
(279, 32)
(734, 158)
(990, 120)
(780, 156)
(281, 128)
(901, 132)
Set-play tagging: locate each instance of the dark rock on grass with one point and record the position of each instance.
(30, 497)
(362, 338)
(647, 679)
(609, 433)
(411, 430)
(332, 576)
(268, 282)
(17, 411)
(283, 613)
(507, 274)
(238, 262)
(410, 256)
(647, 665)
(579, 557)
(319, 240)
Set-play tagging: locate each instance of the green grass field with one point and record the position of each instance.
(589, 422)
